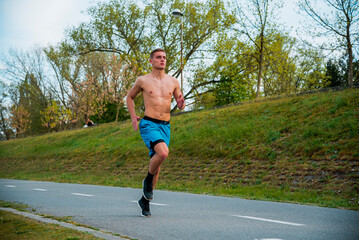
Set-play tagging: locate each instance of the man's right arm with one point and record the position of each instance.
(131, 104)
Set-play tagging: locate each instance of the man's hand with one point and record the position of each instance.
(135, 122)
(180, 102)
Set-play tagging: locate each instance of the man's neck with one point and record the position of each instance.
(158, 73)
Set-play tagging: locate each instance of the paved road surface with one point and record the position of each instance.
(182, 215)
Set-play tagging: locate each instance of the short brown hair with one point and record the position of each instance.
(156, 50)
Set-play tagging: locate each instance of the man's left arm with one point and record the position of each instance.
(179, 96)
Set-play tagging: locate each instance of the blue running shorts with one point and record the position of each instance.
(154, 131)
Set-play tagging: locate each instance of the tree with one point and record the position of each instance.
(258, 25)
(66, 72)
(230, 89)
(342, 23)
(356, 72)
(237, 65)
(29, 94)
(310, 73)
(33, 99)
(5, 127)
(132, 31)
(57, 117)
(334, 74)
(105, 84)
(279, 70)
(92, 84)
(118, 76)
(20, 120)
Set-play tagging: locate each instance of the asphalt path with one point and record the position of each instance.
(182, 215)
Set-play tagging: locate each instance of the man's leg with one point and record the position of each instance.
(161, 153)
(156, 161)
(155, 178)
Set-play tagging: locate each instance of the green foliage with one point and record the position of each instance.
(310, 70)
(337, 21)
(279, 69)
(282, 72)
(125, 28)
(334, 74)
(228, 91)
(232, 53)
(132, 31)
(337, 71)
(109, 115)
(56, 117)
(32, 98)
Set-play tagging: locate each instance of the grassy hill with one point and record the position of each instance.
(297, 149)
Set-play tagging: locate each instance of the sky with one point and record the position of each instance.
(25, 24)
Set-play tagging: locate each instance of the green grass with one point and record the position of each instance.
(13, 226)
(301, 149)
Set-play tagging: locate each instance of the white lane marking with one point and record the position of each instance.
(10, 186)
(159, 204)
(82, 194)
(155, 204)
(269, 239)
(269, 220)
(39, 189)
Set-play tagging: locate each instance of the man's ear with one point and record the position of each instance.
(150, 61)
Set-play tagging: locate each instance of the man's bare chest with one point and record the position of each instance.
(157, 89)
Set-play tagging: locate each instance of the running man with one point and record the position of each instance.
(157, 89)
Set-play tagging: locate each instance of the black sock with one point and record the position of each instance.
(149, 178)
(144, 199)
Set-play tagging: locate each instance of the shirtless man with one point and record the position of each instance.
(157, 89)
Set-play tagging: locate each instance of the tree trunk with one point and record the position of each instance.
(118, 110)
(260, 63)
(350, 58)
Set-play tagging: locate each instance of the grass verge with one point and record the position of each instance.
(301, 149)
(13, 226)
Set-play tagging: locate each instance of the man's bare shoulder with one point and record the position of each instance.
(141, 79)
(174, 81)
(171, 78)
(146, 76)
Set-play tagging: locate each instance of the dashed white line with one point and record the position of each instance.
(82, 194)
(39, 189)
(269, 239)
(155, 204)
(159, 204)
(10, 186)
(269, 220)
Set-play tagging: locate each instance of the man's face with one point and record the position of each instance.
(159, 60)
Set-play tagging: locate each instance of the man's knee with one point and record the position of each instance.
(162, 151)
(164, 154)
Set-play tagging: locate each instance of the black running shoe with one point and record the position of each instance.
(145, 206)
(147, 190)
